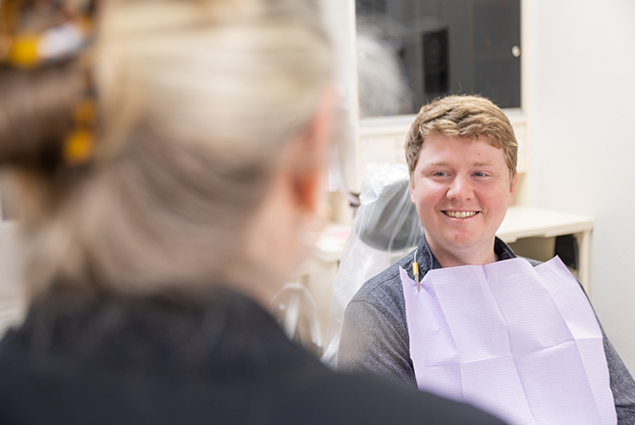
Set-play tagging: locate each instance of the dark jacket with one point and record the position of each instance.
(375, 333)
(166, 360)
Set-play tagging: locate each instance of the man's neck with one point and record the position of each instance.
(474, 256)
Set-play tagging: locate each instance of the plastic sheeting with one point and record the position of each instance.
(385, 229)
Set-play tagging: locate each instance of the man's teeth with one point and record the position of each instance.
(460, 214)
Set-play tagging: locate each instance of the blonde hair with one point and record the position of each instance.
(197, 99)
(462, 116)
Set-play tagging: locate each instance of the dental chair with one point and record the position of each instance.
(385, 229)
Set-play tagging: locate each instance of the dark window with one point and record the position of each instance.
(448, 46)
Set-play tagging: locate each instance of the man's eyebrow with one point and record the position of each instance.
(445, 163)
(437, 163)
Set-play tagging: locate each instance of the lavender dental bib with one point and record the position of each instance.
(519, 341)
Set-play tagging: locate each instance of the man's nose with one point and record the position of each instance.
(460, 189)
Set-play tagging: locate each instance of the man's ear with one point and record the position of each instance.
(411, 188)
(513, 189)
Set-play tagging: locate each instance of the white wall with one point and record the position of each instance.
(583, 140)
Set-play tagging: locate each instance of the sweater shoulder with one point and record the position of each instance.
(384, 288)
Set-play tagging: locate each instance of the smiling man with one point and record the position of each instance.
(461, 187)
(461, 153)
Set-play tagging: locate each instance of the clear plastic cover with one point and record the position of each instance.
(296, 312)
(385, 229)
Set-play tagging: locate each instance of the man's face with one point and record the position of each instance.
(461, 189)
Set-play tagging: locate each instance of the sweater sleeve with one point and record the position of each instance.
(622, 384)
(374, 340)
(621, 380)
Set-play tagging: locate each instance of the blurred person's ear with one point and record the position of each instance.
(288, 222)
(311, 152)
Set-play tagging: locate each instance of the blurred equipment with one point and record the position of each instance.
(381, 79)
(294, 308)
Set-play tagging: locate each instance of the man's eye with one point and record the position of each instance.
(439, 173)
(479, 174)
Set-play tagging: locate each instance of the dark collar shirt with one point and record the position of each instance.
(199, 360)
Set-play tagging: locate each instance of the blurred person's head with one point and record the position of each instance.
(461, 153)
(208, 162)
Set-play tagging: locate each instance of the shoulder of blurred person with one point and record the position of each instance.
(223, 357)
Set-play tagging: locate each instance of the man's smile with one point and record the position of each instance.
(460, 214)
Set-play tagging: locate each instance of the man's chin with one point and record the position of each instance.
(464, 243)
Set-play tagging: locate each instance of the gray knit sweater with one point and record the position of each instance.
(375, 334)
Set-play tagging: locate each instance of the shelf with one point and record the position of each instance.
(330, 246)
(524, 222)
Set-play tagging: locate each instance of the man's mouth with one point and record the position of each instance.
(460, 214)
